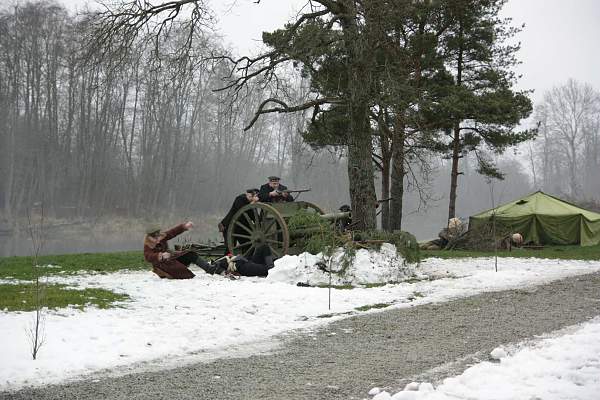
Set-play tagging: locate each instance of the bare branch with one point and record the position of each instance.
(284, 108)
(116, 29)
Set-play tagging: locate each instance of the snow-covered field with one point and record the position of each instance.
(565, 365)
(168, 323)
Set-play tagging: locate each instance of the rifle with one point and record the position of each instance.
(288, 191)
(293, 191)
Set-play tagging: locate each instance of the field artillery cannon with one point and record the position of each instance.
(260, 224)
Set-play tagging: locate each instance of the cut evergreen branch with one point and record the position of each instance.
(320, 236)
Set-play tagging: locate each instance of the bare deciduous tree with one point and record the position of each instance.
(36, 332)
(568, 122)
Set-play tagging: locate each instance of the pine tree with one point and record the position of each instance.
(480, 107)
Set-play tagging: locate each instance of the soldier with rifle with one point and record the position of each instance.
(251, 196)
(274, 192)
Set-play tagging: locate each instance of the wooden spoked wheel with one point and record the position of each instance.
(255, 225)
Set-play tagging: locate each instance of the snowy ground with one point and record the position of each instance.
(565, 365)
(168, 323)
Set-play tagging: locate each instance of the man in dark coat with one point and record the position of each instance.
(172, 264)
(251, 196)
(258, 264)
(274, 192)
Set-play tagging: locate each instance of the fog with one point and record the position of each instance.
(95, 156)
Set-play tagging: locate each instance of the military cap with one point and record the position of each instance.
(253, 191)
(152, 228)
(273, 178)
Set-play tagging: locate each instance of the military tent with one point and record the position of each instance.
(544, 219)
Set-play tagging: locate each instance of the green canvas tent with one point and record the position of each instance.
(544, 219)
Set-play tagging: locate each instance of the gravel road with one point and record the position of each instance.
(345, 359)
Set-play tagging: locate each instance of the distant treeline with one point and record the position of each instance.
(129, 137)
(146, 134)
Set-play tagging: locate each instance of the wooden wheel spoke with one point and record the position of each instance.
(248, 252)
(274, 233)
(238, 223)
(257, 217)
(278, 242)
(249, 220)
(241, 235)
(275, 251)
(239, 246)
(268, 227)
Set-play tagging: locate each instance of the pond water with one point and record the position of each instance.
(80, 242)
(21, 245)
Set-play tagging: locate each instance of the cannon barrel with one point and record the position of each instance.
(335, 215)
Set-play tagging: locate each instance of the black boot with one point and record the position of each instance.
(206, 266)
(269, 262)
(219, 266)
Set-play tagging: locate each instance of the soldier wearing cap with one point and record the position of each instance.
(251, 196)
(274, 192)
(172, 264)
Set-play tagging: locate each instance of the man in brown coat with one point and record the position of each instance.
(172, 264)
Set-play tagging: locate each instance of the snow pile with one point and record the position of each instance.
(565, 366)
(498, 353)
(366, 266)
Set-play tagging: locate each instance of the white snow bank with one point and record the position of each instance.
(564, 366)
(170, 322)
(367, 266)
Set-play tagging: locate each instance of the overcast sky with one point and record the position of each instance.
(561, 38)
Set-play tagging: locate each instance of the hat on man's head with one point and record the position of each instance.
(273, 178)
(253, 191)
(152, 228)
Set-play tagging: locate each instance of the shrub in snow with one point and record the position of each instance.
(320, 236)
(365, 267)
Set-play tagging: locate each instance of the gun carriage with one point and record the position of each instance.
(260, 224)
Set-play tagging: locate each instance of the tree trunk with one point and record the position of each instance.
(454, 173)
(398, 172)
(572, 169)
(386, 156)
(360, 170)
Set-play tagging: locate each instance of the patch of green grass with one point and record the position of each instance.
(375, 285)
(334, 314)
(552, 252)
(339, 287)
(415, 295)
(21, 297)
(415, 279)
(20, 267)
(372, 306)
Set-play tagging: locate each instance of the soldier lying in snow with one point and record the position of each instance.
(175, 264)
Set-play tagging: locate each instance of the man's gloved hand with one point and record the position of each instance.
(231, 267)
(221, 227)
